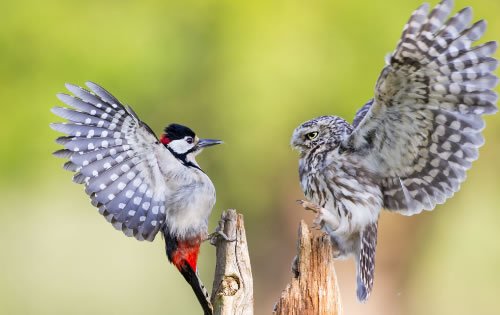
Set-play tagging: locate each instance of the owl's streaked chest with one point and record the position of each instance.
(342, 185)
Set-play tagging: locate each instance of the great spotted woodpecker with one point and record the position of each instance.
(142, 185)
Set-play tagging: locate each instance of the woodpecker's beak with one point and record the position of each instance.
(208, 142)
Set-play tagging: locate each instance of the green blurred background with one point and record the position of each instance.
(247, 72)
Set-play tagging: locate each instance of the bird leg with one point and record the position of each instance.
(318, 220)
(219, 232)
(308, 205)
(323, 216)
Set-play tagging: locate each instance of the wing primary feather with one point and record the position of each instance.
(426, 113)
(116, 156)
(103, 94)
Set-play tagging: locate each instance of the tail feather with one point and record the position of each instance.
(184, 255)
(366, 262)
(199, 289)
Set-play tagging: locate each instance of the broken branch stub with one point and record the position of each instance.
(232, 291)
(313, 289)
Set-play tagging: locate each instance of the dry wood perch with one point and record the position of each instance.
(232, 292)
(314, 289)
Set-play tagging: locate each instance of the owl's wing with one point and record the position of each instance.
(118, 158)
(361, 113)
(423, 128)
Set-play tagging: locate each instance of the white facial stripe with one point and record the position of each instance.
(180, 146)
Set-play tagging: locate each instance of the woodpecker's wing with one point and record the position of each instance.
(423, 128)
(118, 158)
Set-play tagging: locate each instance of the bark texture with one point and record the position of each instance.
(313, 289)
(232, 292)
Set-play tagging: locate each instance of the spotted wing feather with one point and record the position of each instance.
(117, 157)
(423, 128)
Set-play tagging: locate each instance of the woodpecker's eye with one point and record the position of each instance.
(189, 140)
(312, 135)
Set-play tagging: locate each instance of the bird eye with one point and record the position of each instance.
(312, 135)
(189, 140)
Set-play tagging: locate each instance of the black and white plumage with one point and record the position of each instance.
(140, 183)
(410, 146)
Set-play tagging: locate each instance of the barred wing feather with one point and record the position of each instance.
(118, 159)
(423, 128)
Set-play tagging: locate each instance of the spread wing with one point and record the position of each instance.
(117, 157)
(423, 128)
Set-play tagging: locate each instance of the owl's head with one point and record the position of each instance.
(327, 131)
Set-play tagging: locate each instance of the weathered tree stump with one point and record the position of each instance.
(313, 289)
(232, 292)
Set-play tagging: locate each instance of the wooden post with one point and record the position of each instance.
(313, 289)
(232, 291)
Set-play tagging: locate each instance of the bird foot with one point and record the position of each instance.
(219, 232)
(318, 221)
(308, 205)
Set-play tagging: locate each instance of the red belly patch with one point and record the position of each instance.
(187, 252)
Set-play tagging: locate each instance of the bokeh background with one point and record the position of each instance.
(247, 72)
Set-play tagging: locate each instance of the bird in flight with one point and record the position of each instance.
(408, 147)
(141, 184)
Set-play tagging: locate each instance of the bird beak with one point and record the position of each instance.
(208, 142)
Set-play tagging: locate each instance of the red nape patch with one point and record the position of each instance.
(164, 139)
(187, 252)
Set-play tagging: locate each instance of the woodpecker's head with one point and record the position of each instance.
(324, 131)
(184, 143)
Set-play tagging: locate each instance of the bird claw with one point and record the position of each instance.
(213, 237)
(318, 221)
(308, 205)
(219, 232)
(318, 226)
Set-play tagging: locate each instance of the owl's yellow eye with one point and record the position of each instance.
(312, 135)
